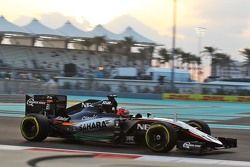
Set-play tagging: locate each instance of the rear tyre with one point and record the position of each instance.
(34, 127)
(160, 137)
(200, 125)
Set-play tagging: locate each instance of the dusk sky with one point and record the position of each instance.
(227, 22)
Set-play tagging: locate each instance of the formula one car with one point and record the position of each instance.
(101, 121)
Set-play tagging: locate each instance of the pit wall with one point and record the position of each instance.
(199, 97)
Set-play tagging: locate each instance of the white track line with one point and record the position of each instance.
(139, 157)
(11, 147)
(200, 161)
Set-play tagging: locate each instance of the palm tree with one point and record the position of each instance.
(199, 70)
(150, 51)
(222, 61)
(187, 58)
(111, 48)
(210, 50)
(142, 55)
(146, 54)
(192, 66)
(227, 62)
(165, 54)
(178, 57)
(99, 41)
(87, 43)
(196, 63)
(246, 53)
(126, 45)
(190, 60)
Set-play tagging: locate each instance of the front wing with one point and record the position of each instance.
(202, 147)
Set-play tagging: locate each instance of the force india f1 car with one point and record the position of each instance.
(97, 121)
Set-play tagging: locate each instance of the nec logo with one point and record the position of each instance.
(87, 105)
(142, 126)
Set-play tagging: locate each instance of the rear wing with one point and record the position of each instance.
(56, 105)
(50, 105)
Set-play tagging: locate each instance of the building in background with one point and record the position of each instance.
(233, 70)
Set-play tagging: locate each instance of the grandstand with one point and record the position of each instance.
(38, 48)
(54, 59)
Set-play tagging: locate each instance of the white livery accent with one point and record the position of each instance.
(191, 129)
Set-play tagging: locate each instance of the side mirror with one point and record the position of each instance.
(138, 115)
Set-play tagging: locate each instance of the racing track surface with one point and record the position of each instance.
(226, 120)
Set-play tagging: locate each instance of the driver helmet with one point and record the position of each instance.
(122, 112)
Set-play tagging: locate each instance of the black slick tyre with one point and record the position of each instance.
(34, 127)
(200, 125)
(160, 137)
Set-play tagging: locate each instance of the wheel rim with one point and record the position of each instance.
(29, 128)
(157, 139)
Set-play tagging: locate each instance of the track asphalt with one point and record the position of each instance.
(226, 119)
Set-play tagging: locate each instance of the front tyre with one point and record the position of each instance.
(34, 127)
(161, 137)
(200, 125)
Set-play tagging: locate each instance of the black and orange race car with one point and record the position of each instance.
(101, 121)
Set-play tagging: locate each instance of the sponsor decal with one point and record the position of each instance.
(59, 118)
(213, 98)
(94, 125)
(244, 99)
(89, 118)
(106, 102)
(189, 145)
(142, 126)
(180, 97)
(87, 104)
(206, 97)
(31, 102)
(130, 139)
